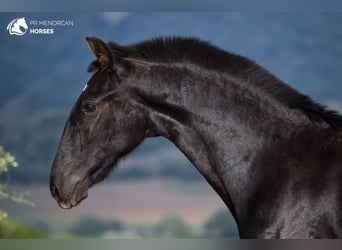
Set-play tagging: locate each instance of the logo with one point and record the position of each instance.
(17, 26)
(20, 27)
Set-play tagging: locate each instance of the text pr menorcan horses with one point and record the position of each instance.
(272, 154)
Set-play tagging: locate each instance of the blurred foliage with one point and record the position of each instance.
(93, 226)
(170, 227)
(10, 229)
(220, 225)
(173, 227)
(40, 225)
(7, 161)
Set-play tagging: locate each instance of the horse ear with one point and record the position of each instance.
(101, 51)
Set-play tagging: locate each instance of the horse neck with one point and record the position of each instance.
(218, 122)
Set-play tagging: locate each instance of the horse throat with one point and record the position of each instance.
(177, 124)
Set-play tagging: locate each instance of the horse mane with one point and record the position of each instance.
(201, 53)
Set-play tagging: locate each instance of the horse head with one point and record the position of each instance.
(14, 27)
(103, 126)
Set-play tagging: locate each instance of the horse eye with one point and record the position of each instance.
(89, 107)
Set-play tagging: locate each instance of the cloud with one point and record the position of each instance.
(114, 17)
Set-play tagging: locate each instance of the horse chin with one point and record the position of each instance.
(78, 195)
(80, 191)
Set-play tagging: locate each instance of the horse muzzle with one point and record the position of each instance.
(69, 195)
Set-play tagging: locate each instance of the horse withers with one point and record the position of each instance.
(272, 154)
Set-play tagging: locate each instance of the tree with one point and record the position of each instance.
(220, 225)
(173, 227)
(93, 226)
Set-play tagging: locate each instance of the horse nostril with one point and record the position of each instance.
(54, 192)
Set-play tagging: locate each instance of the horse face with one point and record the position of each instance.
(21, 22)
(103, 126)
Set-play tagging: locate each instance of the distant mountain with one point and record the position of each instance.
(41, 76)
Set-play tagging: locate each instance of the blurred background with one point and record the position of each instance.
(155, 192)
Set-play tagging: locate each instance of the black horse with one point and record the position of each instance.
(272, 154)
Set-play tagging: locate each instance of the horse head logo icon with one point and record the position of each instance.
(17, 26)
